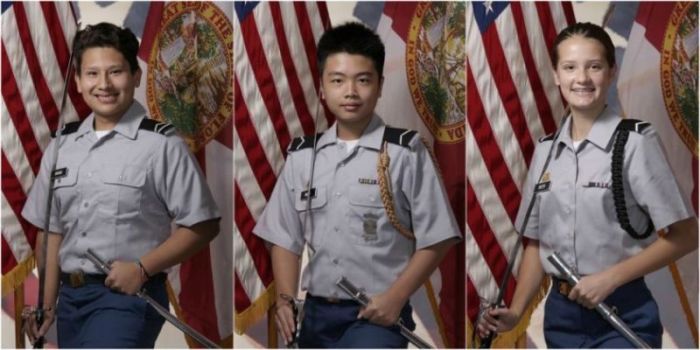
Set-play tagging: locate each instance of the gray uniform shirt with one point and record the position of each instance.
(574, 213)
(351, 234)
(118, 195)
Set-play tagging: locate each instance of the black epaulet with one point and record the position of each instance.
(166, 129)
(302, 142)
(549, 137)
(68, 128)
(401, 137)
(635, 125)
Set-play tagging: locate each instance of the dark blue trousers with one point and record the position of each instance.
(335, 325)
(567, 324)
(94, 316)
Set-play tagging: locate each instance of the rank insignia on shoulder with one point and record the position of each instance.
(365, 181)
(305, 194)
(545, 177)
(59, 173)
(166, 129)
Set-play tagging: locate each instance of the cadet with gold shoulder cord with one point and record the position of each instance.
(375, 209)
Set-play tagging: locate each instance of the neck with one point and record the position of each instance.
(582, 122)
(104, 124)
(352, 130)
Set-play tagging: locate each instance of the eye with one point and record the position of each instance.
(91, 73)
(116, 71)
(336, 80)
(568, 67)
(364, 81)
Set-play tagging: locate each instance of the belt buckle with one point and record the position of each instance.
(333, 300)
(77, 279)
(564, 288)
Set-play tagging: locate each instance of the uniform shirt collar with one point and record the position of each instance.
(129, 123)
(371, 137)
(601, 132)
(603, 128)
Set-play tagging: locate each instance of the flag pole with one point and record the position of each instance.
(19, 306)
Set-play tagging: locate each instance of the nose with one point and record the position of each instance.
(104, 81)
(351, 90)
(582, 75)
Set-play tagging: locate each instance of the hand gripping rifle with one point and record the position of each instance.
(201, 339)
(603, 309)
(361, 298)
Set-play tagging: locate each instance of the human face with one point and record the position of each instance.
(351, 87)
(583, 74)
(106, 83)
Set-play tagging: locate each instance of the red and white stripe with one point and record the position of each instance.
(512, 101)
(276, 99)
(36, 39)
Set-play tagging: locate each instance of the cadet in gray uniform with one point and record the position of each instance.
(606, 190)
(121, 180)
(378, 213)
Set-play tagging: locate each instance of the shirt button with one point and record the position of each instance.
(372, 199)
(336, 228)
(338, 194)
(335, 261)
(85, 204)
(121, 177)
(89, 174)
(84, 234)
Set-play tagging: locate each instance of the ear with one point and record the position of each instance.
(381, 86)
(321, 93)
(137, 76)
(76, 77)
(556, 77)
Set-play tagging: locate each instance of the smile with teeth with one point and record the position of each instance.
(583, 90)
(107, 98)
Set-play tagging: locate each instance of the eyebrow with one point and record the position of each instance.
(357, 75)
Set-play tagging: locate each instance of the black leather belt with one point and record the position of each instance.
(325, 300)
(78, 279)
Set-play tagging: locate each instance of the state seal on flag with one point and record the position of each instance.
(679, 72)
(435, 68)
(189, 71)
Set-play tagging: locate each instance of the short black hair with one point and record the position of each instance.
(353, 38)
(586, 30)
(106, 35)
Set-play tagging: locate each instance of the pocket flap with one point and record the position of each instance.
(128, 175)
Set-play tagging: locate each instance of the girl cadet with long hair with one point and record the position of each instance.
(605, 192)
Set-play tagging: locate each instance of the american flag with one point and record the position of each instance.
(36, 39)
(276, 99)
(512, 100)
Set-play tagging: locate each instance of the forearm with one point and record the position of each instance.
(530, 275)
(285, 269)
(52, 268)
(420, 267)
(181, 244)
(681, 239)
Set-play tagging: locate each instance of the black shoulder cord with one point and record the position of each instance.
(618, 190)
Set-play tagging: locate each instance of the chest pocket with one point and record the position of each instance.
(125, 185)
(65, 193)
(318, 203)
(366, 215)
